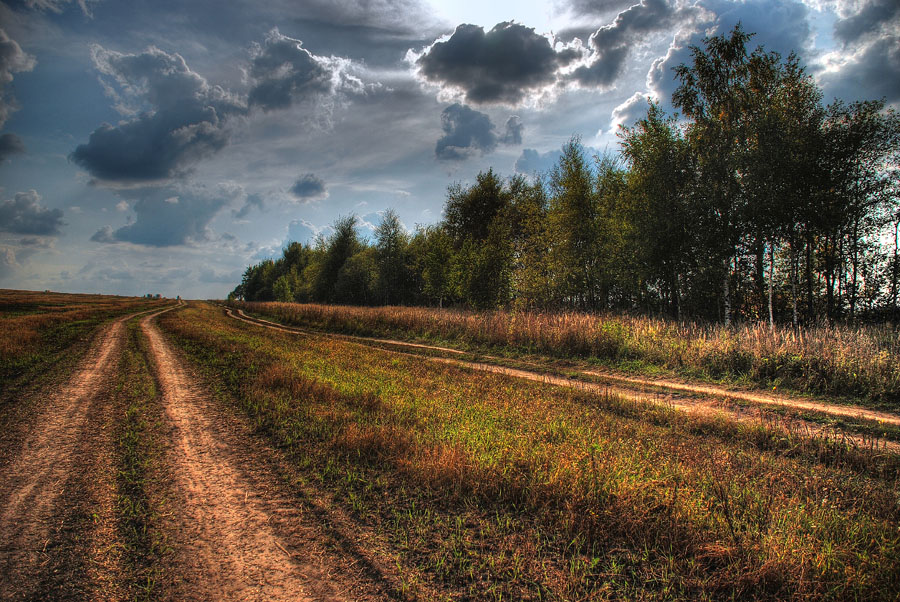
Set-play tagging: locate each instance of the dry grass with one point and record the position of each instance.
(863, 362)
(34, 326)
(489, 488)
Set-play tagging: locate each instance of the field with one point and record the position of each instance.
(243, 458)
(858, 362)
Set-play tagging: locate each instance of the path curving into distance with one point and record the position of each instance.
(691, 398)
(57, 491)
(233, 529)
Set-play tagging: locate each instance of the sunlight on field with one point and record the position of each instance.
(859, 361)
(482, 483)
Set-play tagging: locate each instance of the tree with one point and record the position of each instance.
(341, 246)
(712, 93)
(475, 219)
(435, 264)
(572, 221)
(659, 178)
(391, 243)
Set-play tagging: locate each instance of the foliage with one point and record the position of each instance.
(759, 203)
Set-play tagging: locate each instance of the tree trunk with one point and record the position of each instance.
(760, 278)
(854, 264)
(895, 272)
(726, 292)
(771, 284)
(794, 283)
(809, 282)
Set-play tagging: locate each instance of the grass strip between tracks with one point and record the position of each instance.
(139, 503)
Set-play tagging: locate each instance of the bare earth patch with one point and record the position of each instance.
(57, 490)
(237, 533)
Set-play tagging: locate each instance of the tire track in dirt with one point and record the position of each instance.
(703, 400)
(236, 534)
(57, 492)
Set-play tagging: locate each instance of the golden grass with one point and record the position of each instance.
(34, 324)
(859, 361)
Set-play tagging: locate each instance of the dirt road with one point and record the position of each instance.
(689, 397)
(57, 490)
(236, 535)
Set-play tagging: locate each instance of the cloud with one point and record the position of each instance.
(514, 129)
(167, 217)
(57, 6)
(309, 187)
(869, 60)
(211, 276)
(250, 202)
(23, 214)
(870, 71)
(868, 21)
(179, 118)
(8, 262)
(465, 131)
(301, 231)
(628, 112)
(598, 7)
(500, 66)
(10, 145)
(284, 73)
(610, 44)
(531, 161)
(12, 60)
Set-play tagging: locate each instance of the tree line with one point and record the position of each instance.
(756, 202)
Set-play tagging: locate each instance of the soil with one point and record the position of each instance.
(689, 397)
(57, 489)
(237, 531)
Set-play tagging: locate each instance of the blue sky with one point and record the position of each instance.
(163, 146)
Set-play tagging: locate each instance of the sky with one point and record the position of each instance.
(161, 146)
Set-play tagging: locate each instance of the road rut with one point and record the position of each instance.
(57, 492)
(234, 531)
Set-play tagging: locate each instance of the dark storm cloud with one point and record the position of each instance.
(166, 218)
(12, 60)
(514, 129)
(10, 145)
(284, 73)
(502, 65)
(868, 20)
(872, 38)
(465, 131)
(872, 74)
(181, 118)
(610, 44)
(23, 214)
(309, 187)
